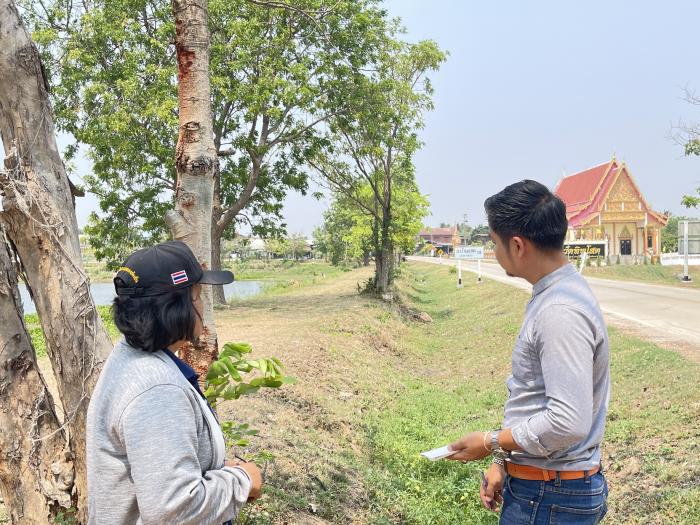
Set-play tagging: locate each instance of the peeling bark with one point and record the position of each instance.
(39, 219)
(36, 470)
(195, 160)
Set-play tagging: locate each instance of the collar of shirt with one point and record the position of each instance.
(551, 278)
(191, 376)
(187, 371)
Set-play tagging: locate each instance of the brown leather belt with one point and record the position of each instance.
(539, 474)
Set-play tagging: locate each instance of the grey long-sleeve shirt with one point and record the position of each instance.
(560, 382)
(150, 450)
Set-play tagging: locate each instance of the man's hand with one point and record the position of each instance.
(491, 491)
(253, 472)
(470, 447)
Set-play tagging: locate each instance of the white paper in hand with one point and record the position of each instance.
(438, 453)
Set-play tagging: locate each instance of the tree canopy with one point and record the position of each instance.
(277, 75)
(371, 146)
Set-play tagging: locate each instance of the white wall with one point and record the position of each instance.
(673, 259)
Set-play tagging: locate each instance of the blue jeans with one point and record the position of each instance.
(571, 502)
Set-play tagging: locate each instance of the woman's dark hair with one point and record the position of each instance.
(154, 323)
(528, 209)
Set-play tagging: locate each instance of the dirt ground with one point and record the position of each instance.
(312, 331)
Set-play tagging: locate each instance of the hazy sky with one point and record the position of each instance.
(532, 89)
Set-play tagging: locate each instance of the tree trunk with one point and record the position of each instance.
(39, 219)
(195, 160)
(386, 252)
(36, 471)
(219, 297)
(383, 274)
(216, 264)
(223, 218)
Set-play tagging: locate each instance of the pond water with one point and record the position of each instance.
(103, 293)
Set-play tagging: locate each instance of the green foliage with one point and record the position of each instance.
(227, 379)
(409, 208)
(277, 246)
(349, 231)
(277, 74)
(369, 159)
(31, 321)
(692, 147)
(669, 234)
(346, 234)
(66, 516)
(691, 201)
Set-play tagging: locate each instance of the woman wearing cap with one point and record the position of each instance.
(155, 451)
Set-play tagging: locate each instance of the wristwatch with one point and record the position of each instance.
(499, 454)
(494, 439)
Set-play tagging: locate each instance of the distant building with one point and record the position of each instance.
(604, 203)
(444, 239)
(440, 235)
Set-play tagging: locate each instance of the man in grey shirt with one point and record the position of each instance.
(546, 459)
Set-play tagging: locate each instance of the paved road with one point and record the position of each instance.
(666, 311)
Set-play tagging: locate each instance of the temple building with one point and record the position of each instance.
(603, 203)
(444, 239)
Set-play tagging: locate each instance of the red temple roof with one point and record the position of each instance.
(584, 193)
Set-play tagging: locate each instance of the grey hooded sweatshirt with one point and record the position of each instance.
(151, 448)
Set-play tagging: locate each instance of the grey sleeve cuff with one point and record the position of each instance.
(242, 485)
(241, 469)
(528, 441)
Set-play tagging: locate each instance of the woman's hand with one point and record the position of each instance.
(254, 474)
(491, 491)
(471, 447)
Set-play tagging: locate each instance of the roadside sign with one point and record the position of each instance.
(469, 252)
(693, 233)
(589, 248)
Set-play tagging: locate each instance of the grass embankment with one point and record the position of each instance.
(376, 387)
(282, 275)
(650, 273)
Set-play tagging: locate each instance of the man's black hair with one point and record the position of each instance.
(528, 209)
(155, 322)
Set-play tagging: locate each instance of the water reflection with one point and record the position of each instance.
(103, 293)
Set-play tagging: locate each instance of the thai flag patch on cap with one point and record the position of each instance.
(179, 277)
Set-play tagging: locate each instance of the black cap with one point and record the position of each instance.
(164, 268)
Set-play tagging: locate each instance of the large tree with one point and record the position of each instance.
(373, 143)
(42, 462)
(195, 160)
(278, 72)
